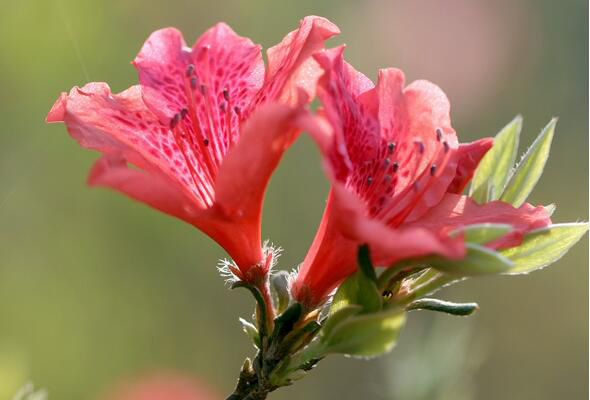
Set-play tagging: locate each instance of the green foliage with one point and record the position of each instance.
(461, 309)
(526, 175)
(478, 260)
(360, 288)
(543, 247)
(367, 335)
(493, 170)
(251, 330)
(483, 233)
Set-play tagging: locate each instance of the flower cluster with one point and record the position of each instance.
(201, 134)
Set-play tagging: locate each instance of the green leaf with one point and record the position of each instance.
(367, 335)
(280, 284)
(550, 208)
(360, 288)
(339, 316)
(529, 170)
(483, 233)
(478, 260)
(544, 246)
(493, 170)
(364, 262)
(461, 309)
(251, 331)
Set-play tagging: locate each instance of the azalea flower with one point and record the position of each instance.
(199, 137)
(397, 172)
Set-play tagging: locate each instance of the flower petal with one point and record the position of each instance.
(214, 83)
(455, 211)
(469, 155)
(290, 65)
(153, 189)
(245, 172)
(120, 125)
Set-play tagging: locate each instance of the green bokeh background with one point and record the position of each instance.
(95, 288)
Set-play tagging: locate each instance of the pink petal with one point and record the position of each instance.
(119, 125)
(155, 190)
(214, 83)
(245, 172)
(58, 110)
(290, 65)
(469, 156)
(455, 211)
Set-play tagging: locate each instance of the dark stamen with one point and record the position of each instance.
(183, 113)
(225, 94)
(369, 180)
(433, 170)
(420, 147)
(237, 110)
(174, 121)
(194, 82)
(206, 142)
(222, 107)
(387, 162)
(395, 167)
(391, 147)
(446, 146)
(438, 134)
(189, 70)
(203, 89)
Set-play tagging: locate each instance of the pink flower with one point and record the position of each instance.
(204, 129)
(397, 171)
(162, 387)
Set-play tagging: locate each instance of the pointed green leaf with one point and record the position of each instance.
(461, 309)
(550, 208)
(251, 331)
(365, 264)
(544, 246)
(478, 260)
(529, 170)
(483, 233)
(366, 335)
(493, 170)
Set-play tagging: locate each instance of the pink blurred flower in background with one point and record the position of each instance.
(200, 136)
(162, 386)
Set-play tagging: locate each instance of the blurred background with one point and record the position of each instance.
(95, 288)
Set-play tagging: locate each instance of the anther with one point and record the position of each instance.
(369, 180)
(194, 82)
(222, 107)
(420, 147)
(391, 147)
(183, 113)
(203, 89)
(237, 110)
(395, 167)
(432, 169)
(386, 162)
(174, 121)
(438, 134)
(226, 94)
(190, 70)
(446, 146)
(206, 142)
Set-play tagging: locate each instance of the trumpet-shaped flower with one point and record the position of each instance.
(396, 171)
(199, 137)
